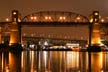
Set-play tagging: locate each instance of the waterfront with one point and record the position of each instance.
(53, 61)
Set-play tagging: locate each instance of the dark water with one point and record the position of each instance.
(53, 61)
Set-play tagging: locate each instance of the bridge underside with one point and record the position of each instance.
(56, 34)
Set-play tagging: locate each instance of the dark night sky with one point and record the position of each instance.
(26, 7)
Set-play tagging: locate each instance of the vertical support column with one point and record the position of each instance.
(95, 34)
(15, 37)
(0, 35)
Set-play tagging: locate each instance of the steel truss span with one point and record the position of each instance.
(55, 16)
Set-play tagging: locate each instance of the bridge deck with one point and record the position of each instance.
(67, 24)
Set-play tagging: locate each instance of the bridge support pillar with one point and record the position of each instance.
(0, 35)
(15, 36)
(95, 34)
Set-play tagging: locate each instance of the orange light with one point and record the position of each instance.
(35, 18)
(7, 19)
(47, 17)
(102, 20)
(91, 20)
(31, 17)
(62, 17)
(78, 18)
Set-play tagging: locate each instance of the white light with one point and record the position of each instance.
(78, 18)
(14, 13)
(102, 20)
(47, 17)
(7, 19)
(91, 20)
(35, 18)
(19, 20)
(32, 46)
(96, 13)
(62, 17)
(31, 17)
(46, 43)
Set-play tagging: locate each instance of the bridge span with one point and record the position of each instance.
(55, 24)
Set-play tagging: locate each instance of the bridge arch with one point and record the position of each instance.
(75, 25)
(55, 16)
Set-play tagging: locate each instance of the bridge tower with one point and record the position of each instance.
(95, 29)
(15, 36)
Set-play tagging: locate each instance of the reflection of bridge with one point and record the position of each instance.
(50, 24)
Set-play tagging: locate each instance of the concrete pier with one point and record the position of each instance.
(95, 34)
(15, 30)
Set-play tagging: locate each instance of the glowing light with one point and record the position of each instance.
(101, 44)
(7, 69)
(7, 19)
(102, 71)
(102, 20)
(73, 59)
(19, 20)
(31, 17)
(62, 17)
(96, 13)
(14, 13)
(91, 20)
(47, 17)
(35, 18)
(96, 20)
(78, 18)
(45, 58)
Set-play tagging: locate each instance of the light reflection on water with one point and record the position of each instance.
(53, 61)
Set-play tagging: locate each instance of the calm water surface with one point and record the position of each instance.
(54, 61)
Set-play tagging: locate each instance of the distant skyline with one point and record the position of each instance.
(25, 7)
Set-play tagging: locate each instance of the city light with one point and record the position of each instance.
(62, 18)
(7, 19)
(59, 32)
(31, 17)
(35, 18)
(91, 20)
(102, 20)
(14, 13)
(78, 18)
(47, 17)
(96, 13)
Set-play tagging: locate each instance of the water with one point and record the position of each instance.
(54, 61)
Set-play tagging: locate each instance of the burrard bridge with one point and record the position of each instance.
(57, 25)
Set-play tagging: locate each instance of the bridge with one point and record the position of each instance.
(55, 25)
